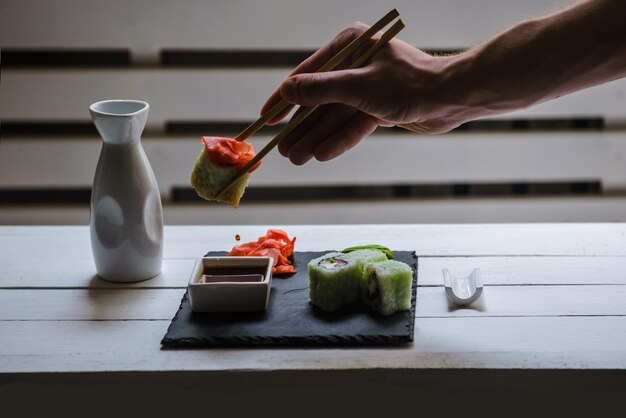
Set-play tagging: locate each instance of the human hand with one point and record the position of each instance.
(400, 86)
(532, 62)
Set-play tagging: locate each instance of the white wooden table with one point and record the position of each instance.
(551, 322)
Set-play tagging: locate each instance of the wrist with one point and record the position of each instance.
(457, 97)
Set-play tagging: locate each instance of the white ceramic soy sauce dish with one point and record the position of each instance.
(230, 284)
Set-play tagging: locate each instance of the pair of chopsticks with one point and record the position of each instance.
(304, 112)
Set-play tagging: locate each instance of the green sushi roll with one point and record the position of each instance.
(386, 286)
(335, 278)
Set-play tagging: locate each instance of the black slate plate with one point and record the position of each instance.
(290, 318)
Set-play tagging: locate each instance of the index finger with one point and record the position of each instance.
(332, 48)
(315, 61)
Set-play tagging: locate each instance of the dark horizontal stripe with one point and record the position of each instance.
(232, 59)
(215, 128)
(46, 196)
(562, 124)
(292, 194)
(245, 58)
(118, 57)
(65, 58)
(232, 128)
(341, 193)
(47, 128)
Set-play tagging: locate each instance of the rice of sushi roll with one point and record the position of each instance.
(335, 278)
(387, 286)
(208, 178)
(221, 158)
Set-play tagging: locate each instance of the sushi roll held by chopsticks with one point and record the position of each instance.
(220, 159)
(215, 178)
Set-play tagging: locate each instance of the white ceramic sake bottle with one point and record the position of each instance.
(126, 219)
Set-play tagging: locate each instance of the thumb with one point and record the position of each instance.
(312, 89)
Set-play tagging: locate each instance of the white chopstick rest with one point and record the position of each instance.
(463, 290)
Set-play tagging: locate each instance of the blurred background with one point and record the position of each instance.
(206, 68)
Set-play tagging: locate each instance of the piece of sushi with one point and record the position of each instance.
(387, 286)
(207, 178)
(335, 278)
(221, 158)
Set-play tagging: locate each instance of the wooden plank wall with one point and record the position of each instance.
(207, 67)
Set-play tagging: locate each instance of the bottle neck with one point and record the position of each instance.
(120, 121)
(119, 129)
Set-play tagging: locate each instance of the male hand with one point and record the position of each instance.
(401, 86)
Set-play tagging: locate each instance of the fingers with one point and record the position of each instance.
(331, 120)
(317, 125)
(346, 138)
(333, 131)
(275, 98)
(325, 53)
(342, 86)
(304, 127)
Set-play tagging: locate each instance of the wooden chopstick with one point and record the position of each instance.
(306, 111)
(384, 38)
(329, 65)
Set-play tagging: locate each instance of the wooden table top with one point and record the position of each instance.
(549, 329)
(554, 299)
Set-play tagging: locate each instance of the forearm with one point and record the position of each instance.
(540, 59)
